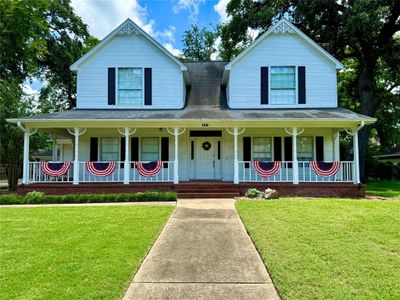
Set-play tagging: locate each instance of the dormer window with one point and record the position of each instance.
(130, 86)
(283, 85)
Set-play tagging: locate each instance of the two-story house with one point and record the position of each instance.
(144, 119)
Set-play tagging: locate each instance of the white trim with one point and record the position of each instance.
(338, 64)
(75, 65)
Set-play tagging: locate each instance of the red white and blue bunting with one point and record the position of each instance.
(266, 169)
(55, 169)
(149, 169)
(101, 168)
(323, 168)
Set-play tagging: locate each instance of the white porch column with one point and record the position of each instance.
(54, 149)
(356, 168)
(25, 170)
(126, 162)
(76, 156)
(176, 167)
(336, 146)
(235, 156)
(294, 155)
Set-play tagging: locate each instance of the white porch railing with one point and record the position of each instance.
(166, 174)
(285, 174)
(36, 174)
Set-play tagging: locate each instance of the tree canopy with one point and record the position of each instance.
(198, 44)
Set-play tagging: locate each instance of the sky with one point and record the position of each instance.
(165, 20)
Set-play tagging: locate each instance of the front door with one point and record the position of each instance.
(205, 158)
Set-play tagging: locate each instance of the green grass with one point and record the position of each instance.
(75, 252)
(328, 248)
(383, 188)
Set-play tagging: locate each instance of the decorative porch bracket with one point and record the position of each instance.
(77, 132)
(294, 132)
(176, 133)
(25, 167)
(356, 156)
(127, 133)
(235, 132)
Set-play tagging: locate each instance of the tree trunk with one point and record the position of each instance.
(369, 106)
(13, 173)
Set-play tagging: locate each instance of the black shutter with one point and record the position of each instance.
(288, 149)
(122, 151)
(301, 77)
(94, 146)
(264, 85)
(192, 150)
(319, 147)
(165, 150)
(247, 150)
(219, 150)
(277, 148)
(111, 86)
(134, 150)
(147, 86)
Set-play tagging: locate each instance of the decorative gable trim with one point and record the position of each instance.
(282, 27)
(127, 28)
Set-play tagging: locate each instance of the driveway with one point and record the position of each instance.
(203, 252)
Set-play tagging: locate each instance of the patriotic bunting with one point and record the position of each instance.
(55, 168)
(149, 169)
(100, 168)
(266, 169)
(323, 168)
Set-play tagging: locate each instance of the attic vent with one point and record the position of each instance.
(128, 29)
(282, 28)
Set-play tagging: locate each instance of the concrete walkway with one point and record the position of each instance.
(203, 252)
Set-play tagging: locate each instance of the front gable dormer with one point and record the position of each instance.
(129, 69)
(283, 68)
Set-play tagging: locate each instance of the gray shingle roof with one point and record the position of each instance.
(205, 99)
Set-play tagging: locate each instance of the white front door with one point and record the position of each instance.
(205, 158)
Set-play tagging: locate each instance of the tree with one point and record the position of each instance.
(362, 30)
(198, 44)
(42, 39)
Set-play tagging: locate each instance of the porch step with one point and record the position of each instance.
(191, 195)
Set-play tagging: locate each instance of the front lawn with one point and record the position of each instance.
(383, 188)
(328, 248)
(74, 252)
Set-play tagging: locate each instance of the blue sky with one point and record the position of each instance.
(165, 20)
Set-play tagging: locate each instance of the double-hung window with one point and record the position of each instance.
(150, 149)
(262, 148)
(130, 86)
(283, 85)
(305, 148)
(109, 149)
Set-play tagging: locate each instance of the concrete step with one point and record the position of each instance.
(191, 195)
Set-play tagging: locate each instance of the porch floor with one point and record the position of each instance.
(202, 189)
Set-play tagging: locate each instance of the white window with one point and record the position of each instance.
(305, 148)
(130, 86)
(109, 149)
(262, 148)
(150, 150)
(283, 85)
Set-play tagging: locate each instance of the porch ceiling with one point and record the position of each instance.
(199, 116)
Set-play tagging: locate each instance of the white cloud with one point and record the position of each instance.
(217, 44)
(220, 8)
(253, 33)
(192, 6)
(104, 16)
(170, 48)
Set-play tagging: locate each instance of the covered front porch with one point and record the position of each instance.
(215, 151)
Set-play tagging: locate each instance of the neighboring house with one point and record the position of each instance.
(215, 121)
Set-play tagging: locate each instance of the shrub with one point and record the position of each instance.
(382, 170)
(40, 198)
(253, 193)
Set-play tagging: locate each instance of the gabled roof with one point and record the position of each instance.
(284, 26)
(128, 27)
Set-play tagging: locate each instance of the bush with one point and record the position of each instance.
(40, 198)
(253, 193)
(382, 170)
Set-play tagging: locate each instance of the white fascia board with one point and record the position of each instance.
(75, 66)
(337, 63)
